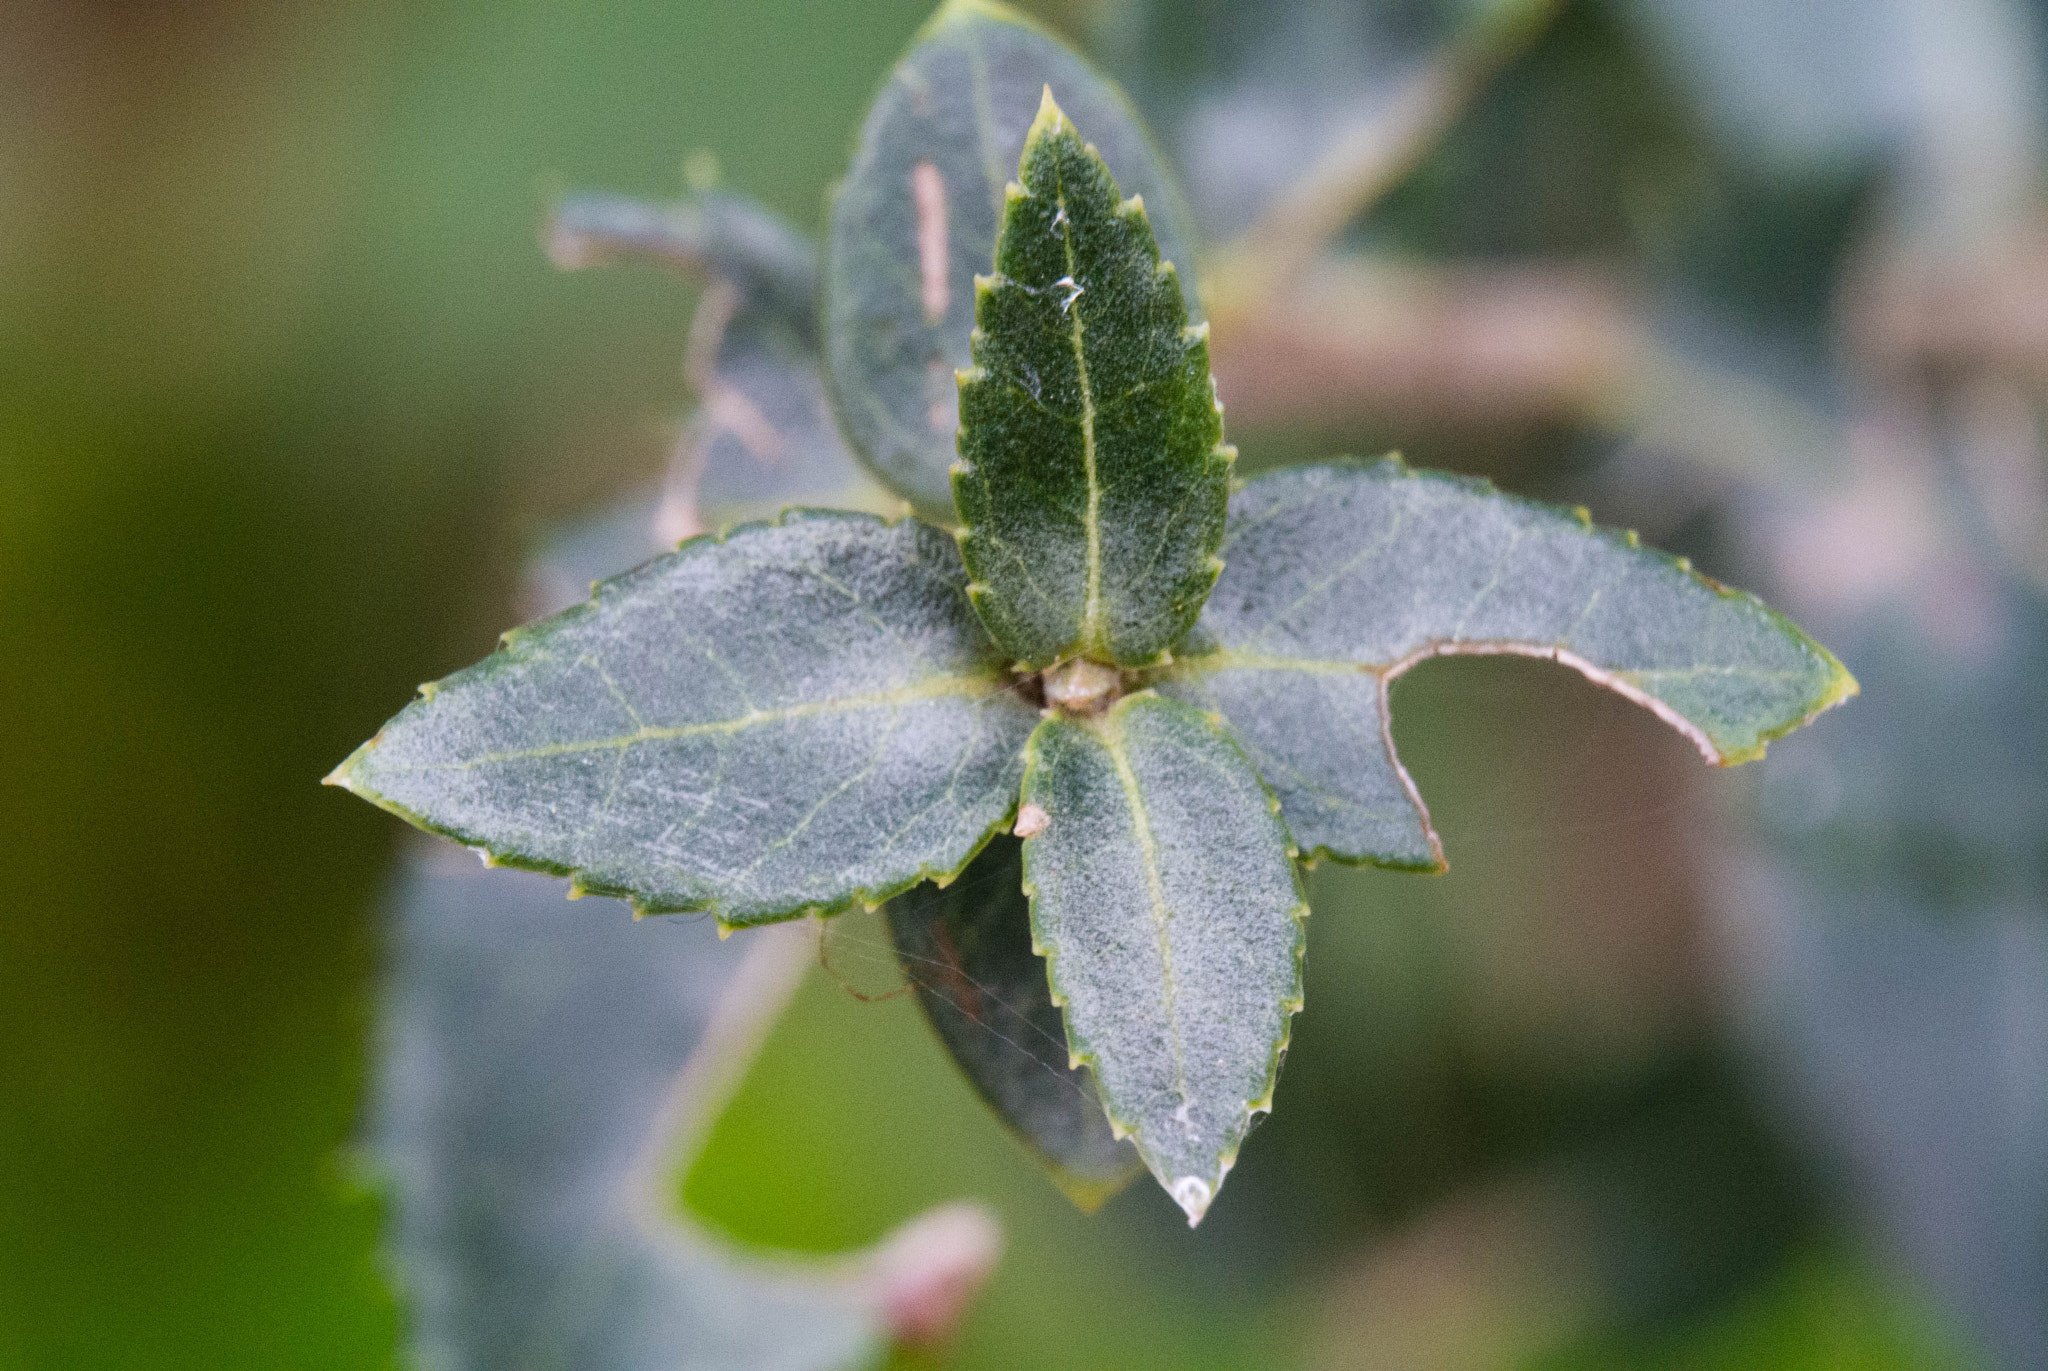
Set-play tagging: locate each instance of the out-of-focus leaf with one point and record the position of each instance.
(763, 435)
(715, 234)
(1246, 96)
(544, 1068)
(967, 949)
(575, 555)
(916, 222)
(1891, 932)
(1093, 476)
(801, 716)
(1340, 577)
(1922, 78)
(1166, 905)
(1258, 101)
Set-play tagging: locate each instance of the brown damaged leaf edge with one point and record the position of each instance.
(1843, 688)
(1841, 685)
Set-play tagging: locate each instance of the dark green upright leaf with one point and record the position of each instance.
(801, 716)
(1341, 577)
(967, 949)
(1166, 904)
(1093, 477)
(916, 220)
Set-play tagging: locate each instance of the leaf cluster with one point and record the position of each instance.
(1170, 692)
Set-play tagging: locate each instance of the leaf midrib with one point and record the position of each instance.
(1091, 610)
(1112, 734)
(938, 688)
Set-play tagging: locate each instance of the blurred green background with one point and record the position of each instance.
(287, 388)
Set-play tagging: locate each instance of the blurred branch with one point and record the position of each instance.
(1365, 339)
(1363, 162)
(2000, 446)
(1408, 343)
(1906, 310)
(1954, 344)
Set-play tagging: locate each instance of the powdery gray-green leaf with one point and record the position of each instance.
(1165, 900)
(1093, 478)
(543, 1070)
(801, 716)
(916, 221)
(967, 949)
(1340, 577)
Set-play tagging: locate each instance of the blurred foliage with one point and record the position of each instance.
(287, 375)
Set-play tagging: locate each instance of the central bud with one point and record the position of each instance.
(1081, 686)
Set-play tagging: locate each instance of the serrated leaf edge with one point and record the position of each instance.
(1050, 121)
(580, 884)
(1194, 1202)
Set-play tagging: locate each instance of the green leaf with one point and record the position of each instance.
(967, 949)
(1340, 577)
(1093, 478)
(801, 716)
(915, 222)
(1166, 905)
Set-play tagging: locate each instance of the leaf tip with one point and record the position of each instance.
(1193, 1195)
(1050, 118)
